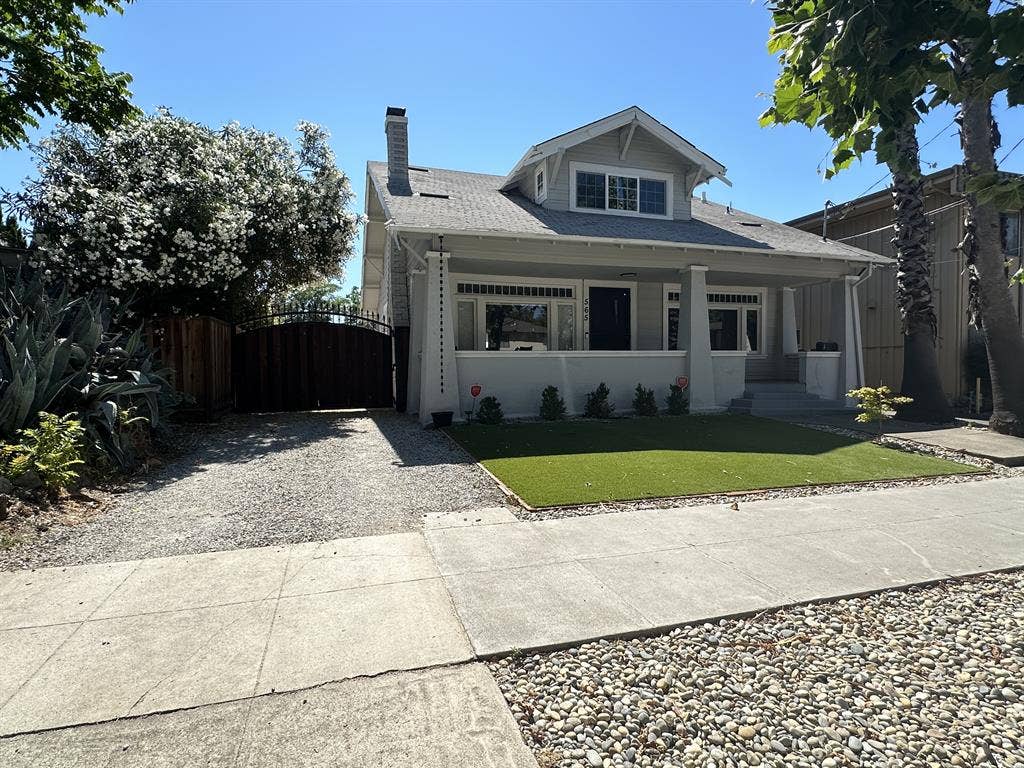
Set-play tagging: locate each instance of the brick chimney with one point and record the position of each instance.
(396, 128)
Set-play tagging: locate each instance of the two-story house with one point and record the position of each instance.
(591, 261)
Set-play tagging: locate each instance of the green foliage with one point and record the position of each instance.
(11, 233)
(552, 406)
(49, 68)
(677, 403)
(877, 404)
(489, 411)
(52, 450)
(179, 217)
(644, 403)
(69, 355)
(597, 406)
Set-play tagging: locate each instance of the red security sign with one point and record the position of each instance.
(475, 390)
(682, 382)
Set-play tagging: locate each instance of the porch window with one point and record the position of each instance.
(566, 327)
(724, 324)
(517, 327)
(735, 320)
(466, 328)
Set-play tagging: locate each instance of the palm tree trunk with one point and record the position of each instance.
(921, 379)
(983, 248)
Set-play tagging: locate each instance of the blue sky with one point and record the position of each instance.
(483, 81)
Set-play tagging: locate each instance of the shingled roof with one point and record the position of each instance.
(446, 202)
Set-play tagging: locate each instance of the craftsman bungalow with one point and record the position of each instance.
(592, 261)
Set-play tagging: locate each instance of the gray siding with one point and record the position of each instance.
(649, 304)
(645, 153)
(880, 318)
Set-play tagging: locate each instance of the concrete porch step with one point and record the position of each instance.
(768, 396)
(774, 407)
(774, 387)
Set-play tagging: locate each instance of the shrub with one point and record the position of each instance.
(677, 403)
(597, 406)
(489, 411)
(552, 406)
(644, 403)
(68, 355)
(52, 451)
(877, 404)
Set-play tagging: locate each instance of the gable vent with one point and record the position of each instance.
(541, 291)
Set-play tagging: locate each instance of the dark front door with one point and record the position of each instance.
(609, 318)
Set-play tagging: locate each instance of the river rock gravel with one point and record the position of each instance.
(924, 677)
(269, 479)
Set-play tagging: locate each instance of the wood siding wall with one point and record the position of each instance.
(198, 350)
(645, 152)
(880, 318)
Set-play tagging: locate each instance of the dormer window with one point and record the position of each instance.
(539, 186)
(621, 191)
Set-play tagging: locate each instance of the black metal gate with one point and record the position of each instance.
(312, 356)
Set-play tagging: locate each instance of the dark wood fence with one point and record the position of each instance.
(198, 350)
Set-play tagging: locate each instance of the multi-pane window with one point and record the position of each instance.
(540, 190)
(622, 191)
(515, 318)
(590, 190)
(652, 197)
(734, 321)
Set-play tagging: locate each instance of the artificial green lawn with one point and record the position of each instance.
(577, 462)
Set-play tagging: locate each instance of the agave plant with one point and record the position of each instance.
(66, 354)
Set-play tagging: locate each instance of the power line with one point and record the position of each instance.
(890, 226)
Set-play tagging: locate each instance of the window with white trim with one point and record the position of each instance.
(540, 189)
(735, 319)
(622, 191)
(510, 317)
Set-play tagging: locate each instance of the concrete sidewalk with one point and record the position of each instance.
(92, 643)
(558, 582)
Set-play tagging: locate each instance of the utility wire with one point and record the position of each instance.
(890, 226)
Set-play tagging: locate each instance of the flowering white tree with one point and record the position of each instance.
(184, 218)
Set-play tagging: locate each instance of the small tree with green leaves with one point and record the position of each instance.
(644, 403)
(489, 411)
(677, 403)
(597, 406)
(877, 404)
(552, 406)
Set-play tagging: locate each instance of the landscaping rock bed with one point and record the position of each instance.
(272, 479)
(924, 677)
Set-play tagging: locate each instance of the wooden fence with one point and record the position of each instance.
(198, 349)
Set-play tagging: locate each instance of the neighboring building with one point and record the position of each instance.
(867, 223)
(592, 261)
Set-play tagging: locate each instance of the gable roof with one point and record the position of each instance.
(446, 202)
(629, 116)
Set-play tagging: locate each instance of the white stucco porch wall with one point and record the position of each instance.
(820, 373)
(730, 372)
(518, 378)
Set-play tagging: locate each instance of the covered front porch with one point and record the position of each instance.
(576, 315)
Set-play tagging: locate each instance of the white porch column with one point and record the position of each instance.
(695, 333)
(787, 302)
(439, 377)
(845, 328)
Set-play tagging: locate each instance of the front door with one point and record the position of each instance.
(609, 318)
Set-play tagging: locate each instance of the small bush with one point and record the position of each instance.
(489, 411)
(877, 404)
(597, 406)
(644, 403)
(677, 403)
(552, 406)
(51, 451)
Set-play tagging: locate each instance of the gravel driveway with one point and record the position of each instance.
(254, 481)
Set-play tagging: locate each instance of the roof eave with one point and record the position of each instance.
(860, 257)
